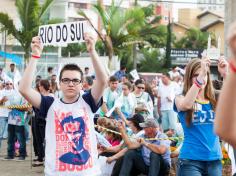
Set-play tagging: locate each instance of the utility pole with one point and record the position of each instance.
(230, 16)
(134, 47)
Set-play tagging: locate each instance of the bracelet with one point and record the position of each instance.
(232, 66)
(35, 57)
(198, 85)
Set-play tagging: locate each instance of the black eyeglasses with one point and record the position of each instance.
(67, 81)
(7, 84)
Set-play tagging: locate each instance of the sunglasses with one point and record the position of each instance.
(7, 84)
(141, 88)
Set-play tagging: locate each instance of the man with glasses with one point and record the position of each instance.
(71, 147)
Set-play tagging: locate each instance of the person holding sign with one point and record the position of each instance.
(201, 150)
(71, 148)
(225, 124)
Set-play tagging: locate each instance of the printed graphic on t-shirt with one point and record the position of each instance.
(203, 115)
(73, 152)
(16, 117)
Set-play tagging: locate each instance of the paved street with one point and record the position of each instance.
(16, 168)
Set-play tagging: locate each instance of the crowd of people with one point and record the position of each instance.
(100, 124)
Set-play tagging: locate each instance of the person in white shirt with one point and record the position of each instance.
(174, 72)
(127, 101)
(86, 71)
(5, 95)
(166, 95)
(71, 147)
(109, 96)
(144, 101)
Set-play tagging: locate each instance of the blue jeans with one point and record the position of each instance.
(199, 168)
(3, 127)
(169, 120)
(134, 160)
(16, 132)
(27, 135)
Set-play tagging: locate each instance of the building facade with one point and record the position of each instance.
(213, 5)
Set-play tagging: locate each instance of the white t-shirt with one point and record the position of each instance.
(164, 92)
(9, 94)
(71, 145)
(127, 104)
(17, 117)
(109, 97)
(144, 100)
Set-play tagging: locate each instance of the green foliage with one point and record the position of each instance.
(100, 48)
(31, 15)
(152, 62)
(194, 39)
(168, 46)
(74, 49)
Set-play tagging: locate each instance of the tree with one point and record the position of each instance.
(152, 62)
(31, 15)
(74, 49)
(168, 45)
(124, 27)
(194, 39)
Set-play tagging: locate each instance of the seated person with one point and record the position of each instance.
(155, 154)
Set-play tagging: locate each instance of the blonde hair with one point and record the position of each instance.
(209, 94)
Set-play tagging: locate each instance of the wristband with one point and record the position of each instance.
(198, 85)
(35, 57)
(232, 66)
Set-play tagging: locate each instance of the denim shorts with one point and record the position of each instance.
(188, 167)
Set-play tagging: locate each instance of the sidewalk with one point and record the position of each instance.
(16, 168)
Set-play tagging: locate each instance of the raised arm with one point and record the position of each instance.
(127, 141)
(25, 87)
(185, 103)
(225, 122)
(100, 71)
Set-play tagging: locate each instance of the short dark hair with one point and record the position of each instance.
(166, 74)
(113, 79)
(89, 80)
(45, 84)
(12, 64)
(71, 67)
(128, 84)
(86, 68)
(50, 69)
(139, 81)
(137, 119)
(38, 77)
(126, 76)
(122, 67)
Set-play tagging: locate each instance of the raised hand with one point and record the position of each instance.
(223, 66)
(36, 46)
(205, 66)
(90, 42)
